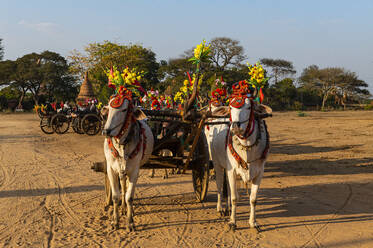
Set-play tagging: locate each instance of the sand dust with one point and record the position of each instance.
(317, 191)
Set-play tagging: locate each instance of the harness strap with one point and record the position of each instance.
(142, 141)
(129, 119)
(114, 151)
(237, 157)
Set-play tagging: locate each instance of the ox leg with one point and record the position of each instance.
(227, 194)
(123, 184)
(129, 200)
(165, 174)
(114, 184)
(233, 198)
(253, 195)
(219, 172)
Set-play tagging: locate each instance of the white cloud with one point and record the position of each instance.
(40, 26)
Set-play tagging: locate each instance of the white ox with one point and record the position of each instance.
(241, 150)
(128, 144)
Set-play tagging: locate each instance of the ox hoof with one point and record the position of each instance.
(232, 227)
(165, 177)
(255, 228)
(226, 212)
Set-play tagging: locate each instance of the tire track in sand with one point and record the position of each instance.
(335, 214)
(61, 197)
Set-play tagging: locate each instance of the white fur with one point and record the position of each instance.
(223, 159)
(123, 168)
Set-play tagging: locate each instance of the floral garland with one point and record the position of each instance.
(129, 79)
(219, 95)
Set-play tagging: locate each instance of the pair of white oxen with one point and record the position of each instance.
(238, 149)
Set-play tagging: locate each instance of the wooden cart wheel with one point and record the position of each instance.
(108, 195)
(91, 124)
(60, 123)
(200, 171)
(76, 125)
(46, 125)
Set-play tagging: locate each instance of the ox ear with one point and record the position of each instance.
(221, 111)
(262, 109)
(138, 114)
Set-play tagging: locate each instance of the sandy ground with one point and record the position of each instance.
(317, 191)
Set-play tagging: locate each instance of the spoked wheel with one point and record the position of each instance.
(76, 125)
(60, 123)
(46, 125)
(41, 114)
(91, 124)
(200, 169)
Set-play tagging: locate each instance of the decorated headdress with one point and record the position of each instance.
(126, 84)
(129, 78)
(251, 88)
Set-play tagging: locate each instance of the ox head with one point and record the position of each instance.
(242, 115)
(120, 111)
(242, 111)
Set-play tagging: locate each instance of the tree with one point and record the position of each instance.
(226, 52)
(99, 57)
(333, 81)
(39, 74)
(349, 88)
(283, 94)
(226, 58)
(10, 76)
(278, 67)
(1, 50)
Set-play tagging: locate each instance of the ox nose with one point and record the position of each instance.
(106, 132)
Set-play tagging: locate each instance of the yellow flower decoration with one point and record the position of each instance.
(201, 53)
(257, 75)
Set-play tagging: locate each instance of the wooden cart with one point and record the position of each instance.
(185, 139)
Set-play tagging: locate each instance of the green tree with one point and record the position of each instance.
(99, 57)
(350, 88)
(278, 67)
(10, 76)
(39, 74)
(325, 80)
(334, 81)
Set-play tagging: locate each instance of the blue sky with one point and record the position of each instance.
(325, 33)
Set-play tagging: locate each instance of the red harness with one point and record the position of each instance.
(130, 119)
(237, 157)
(142, 141)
